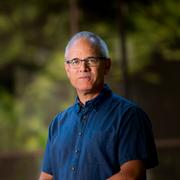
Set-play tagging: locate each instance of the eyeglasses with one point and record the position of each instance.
(90, 61)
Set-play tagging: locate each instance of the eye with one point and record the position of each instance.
(92, 60)
(75, 61)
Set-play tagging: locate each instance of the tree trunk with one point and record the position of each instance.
(123, 49)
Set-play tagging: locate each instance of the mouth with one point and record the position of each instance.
(84, 78)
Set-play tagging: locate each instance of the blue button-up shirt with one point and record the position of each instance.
(91, 142)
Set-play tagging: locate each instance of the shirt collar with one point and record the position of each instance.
(94, 103)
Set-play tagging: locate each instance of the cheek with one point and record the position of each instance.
(69, 72)
(100, 72)
(72, 77)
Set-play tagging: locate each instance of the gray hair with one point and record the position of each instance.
(92, 38)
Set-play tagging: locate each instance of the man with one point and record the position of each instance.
(102, 136)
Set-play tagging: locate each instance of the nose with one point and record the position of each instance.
(84, 67)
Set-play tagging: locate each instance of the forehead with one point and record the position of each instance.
(82, 48)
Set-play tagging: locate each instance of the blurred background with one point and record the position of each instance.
(144, 41)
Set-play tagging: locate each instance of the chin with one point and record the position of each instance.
(84, 88)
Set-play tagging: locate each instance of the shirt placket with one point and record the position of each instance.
(83, 116)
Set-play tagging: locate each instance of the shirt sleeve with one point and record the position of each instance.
(136, 138)
(46, 165)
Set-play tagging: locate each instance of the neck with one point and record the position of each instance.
(88, 95)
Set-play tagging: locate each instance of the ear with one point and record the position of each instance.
(66, 67)
(107, 66)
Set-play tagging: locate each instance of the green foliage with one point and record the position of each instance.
(156, 30)
(33, 36)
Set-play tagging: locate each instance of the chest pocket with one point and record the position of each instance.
(102, 143)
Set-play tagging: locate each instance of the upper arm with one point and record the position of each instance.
(133, 170)
(137, 139)
(45, 176)
(48, 160)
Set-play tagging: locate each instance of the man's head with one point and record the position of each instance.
(87, 62)
(93, 39)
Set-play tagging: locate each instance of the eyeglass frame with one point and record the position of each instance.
(70, 62)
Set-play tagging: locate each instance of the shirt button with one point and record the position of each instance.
(80, 133)
(73, 168)
(76, 151)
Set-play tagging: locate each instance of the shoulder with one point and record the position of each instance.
(58, 119)
(128, 109)
(124, 104)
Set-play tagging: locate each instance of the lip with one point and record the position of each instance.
(84, 77)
